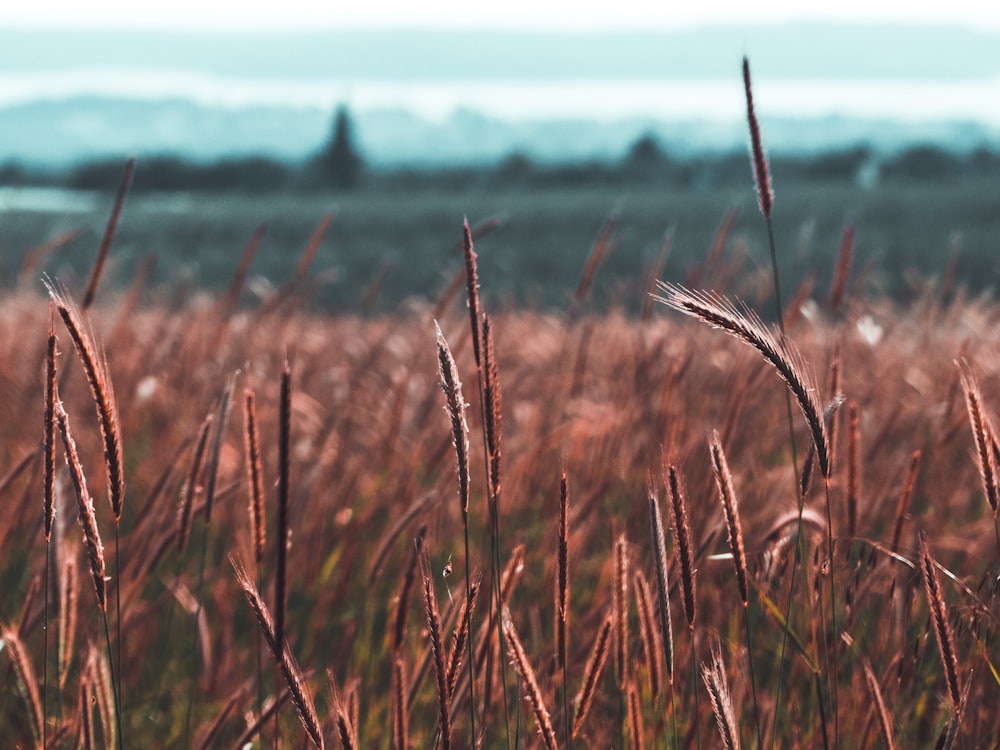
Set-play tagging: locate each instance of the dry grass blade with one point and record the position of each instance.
(853, 466)
(724, 481)
(452, 387)
(192, 488)
(68, 581)
(284, 471)
(685, 547)
(400, 707)
(403, 601)
(50, 427)
(714, 676)
(303, 701)
(413, 510)
(884, 719)
(524, 669)
(620, 599)
(600, 250)
(592, 674)
(109, 233)
(942, 627)
(492, 411)
(983, 434)
(647, 633)
(662, 584)
(636, 730)
(765, 193)
(746, 325)
(461, 636)
(255, 474)
(28, 684)
(472, 288)
(85, 506)
(437, 650)
(842, 269)
(341, 715)
(905, 495)
(562, 573)
(96, 368)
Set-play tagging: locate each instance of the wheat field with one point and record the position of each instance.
(254, 525)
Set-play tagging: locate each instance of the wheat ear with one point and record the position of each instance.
(523, 667)
(437, 651)
(290, 670)
(746, 325)
(942, 627)
(592, 674)
(85, 506)
(685, 548)
(26, 679)
(662, 584)
(96, 368)
(982, 433)
(762, 175)
(714, 676)
(255, 475)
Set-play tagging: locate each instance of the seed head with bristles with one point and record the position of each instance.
(85, 505)
(96, 368)
(685, 547)
(762, 175)
(452, 387)
(724, 481)
(744, 324)
(942, 627)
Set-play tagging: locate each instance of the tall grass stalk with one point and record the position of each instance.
(49, 446)
(452, 387)
(95, 549)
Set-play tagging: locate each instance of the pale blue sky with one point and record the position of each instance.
(192, 15)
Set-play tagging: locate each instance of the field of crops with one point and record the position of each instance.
(869, 636)
(629, 514)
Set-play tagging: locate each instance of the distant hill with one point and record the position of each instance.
(56, 133)
(71, 96)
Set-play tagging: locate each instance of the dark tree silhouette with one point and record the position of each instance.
(339, 162)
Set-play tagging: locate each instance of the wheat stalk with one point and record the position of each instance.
(714, 676)
(983, 434)
(942, 627)
(255, 475)
(592, 674)
(85, 506)
(523, 667)
(437, 651)
(290, 670)
(96, 368)
(662, 584)
(685, 547)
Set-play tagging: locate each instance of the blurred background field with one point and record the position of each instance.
(407, 230)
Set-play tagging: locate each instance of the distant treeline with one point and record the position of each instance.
(339, 167)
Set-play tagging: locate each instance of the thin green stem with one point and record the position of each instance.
(118, 608)
(470, 639)
(779, 310)
(114, 686)
(45, 650)
(832, 655)
(753, 678)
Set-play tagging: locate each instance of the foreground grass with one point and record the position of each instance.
(609, 400)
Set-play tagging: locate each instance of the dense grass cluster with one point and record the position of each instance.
(612, 402)
(784, 537)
